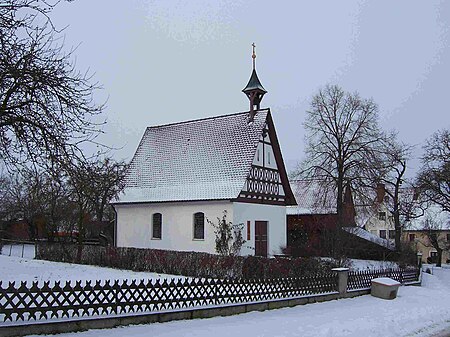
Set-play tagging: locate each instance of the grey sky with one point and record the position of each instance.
(167, 61)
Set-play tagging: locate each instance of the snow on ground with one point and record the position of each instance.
(356, 264)
(19, 269)
(18, 250)
(417, 311)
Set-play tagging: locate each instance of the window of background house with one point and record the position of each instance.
(382, 215)
(382, 233)
(412, 237)
(199, 226)
(391, 234)
(448, 237)
(157, 226)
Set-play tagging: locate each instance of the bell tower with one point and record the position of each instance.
(254, 89)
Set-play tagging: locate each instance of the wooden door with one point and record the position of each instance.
(261, 238)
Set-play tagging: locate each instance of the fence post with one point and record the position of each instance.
(419, 260)
(342, 274)
(419, 266)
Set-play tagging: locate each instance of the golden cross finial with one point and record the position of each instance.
(253, 55)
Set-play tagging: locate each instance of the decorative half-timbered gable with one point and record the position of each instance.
(267, 180)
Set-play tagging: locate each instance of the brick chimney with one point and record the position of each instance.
(349, 207)
(381, 192)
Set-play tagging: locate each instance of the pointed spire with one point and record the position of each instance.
(254, 55)
(254, 89)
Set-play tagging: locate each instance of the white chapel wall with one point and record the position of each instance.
(276, 231)
(134, 225)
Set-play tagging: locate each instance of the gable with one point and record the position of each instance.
(267, 180)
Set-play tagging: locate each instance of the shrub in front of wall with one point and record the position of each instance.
(191, 264)
(253, 268)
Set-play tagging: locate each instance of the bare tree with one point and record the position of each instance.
(389, 169)
(434, 176)
(23, 201)
(39, 199)
(106, 178)
(79, 185)
(93, 184)
(46, 106)
(342, 133)
(432, 225)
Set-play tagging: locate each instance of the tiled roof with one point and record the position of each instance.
(205, 159)
(310, 200)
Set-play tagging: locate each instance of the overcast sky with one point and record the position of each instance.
(168, 61)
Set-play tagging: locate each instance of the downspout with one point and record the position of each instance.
(115, 227)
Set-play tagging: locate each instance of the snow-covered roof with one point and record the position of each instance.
(310, 199)
(363, 234)
(206, 159)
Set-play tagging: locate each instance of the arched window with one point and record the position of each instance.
(157, 226)
(199, 226)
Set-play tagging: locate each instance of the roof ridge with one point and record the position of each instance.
(203, 119)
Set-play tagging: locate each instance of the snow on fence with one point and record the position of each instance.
(362, 279)
(23, 303)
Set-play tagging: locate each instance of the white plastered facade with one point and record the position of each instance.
(134, 225)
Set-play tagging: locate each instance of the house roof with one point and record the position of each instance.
(205, 159)
(310, 200)
(363, 234)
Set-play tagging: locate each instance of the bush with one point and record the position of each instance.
(407, 256)
(192, 264)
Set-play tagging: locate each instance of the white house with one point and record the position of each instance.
(379, 219)
(185, 173)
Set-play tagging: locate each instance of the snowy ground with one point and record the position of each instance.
(417, 311)
(18, 269)
(18, 250)
(356, 264)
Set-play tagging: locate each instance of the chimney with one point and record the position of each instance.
(381, 192)
(349, 207)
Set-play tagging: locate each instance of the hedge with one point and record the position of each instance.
(192, 264)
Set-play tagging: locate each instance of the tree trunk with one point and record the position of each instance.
(398, 228)
(337, 237)
(80, 236)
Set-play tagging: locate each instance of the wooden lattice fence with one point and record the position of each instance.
(362, 279)
(24, 303)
